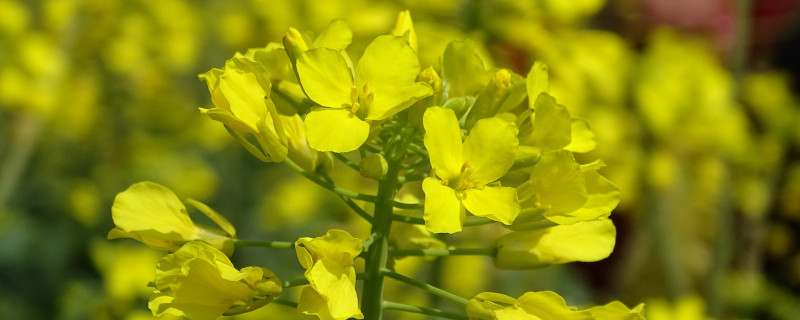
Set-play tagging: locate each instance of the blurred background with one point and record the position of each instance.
(694, 105)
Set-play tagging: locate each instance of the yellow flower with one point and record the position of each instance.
(240, 93)
(583, 241)
(543, 305)
(384, 85)
(199, 282)
(328, 261)
(464, 172)
(152, 214)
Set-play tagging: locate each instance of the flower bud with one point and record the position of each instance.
(374, 166)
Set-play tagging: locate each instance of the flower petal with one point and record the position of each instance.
(336, 36)
(496, 203)
(549, 305)
(245, 95)
(443, 210)
(552, 126)
(391, 100)
(336, 130)
(582, 137)
(603, 197)
(325, 77)
(490, 149)
(558, 183)
(147, 206)
(443, 141)
(387, 62)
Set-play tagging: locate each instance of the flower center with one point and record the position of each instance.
(462, 182)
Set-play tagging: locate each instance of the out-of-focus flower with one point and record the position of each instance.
(544, 305)
(384, 85)
(199, 282)
(616, 310)
(152, 214)
(328, 261)
(583, 241)
(463, 172)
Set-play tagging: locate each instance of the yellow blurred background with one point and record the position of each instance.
(693, 103)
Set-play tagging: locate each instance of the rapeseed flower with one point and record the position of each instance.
(464, 173)
(328, 261)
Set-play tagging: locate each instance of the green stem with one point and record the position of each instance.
(444, 252)
(347, 161)
(264, 244)
(348, 193)
(379, 249)
(478, 221)
(295, 283)
(284, 302)
(389, 305)
(422, 285)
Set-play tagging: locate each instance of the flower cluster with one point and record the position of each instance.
(487, 142)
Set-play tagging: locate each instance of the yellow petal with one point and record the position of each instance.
(390, 100)
(443, 141)
(496, 203)
(325, 77)
(552, 126)
(603, 197)
(336, 130)
(246, 97)
(549, 305)
(336, 284)
(586, 241)
(537, 82)
(152, 208)
(443, 210)
(582, 137)
(490, 149)
(558, 183)
(387, 62)
(336, 36)
(616, 310)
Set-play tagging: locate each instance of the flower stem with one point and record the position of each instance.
(265, 244)
(379, 249)
(389, 305)
(295, 283)
(444, 252)
(422, 285)
(284, 302)
(348, 194)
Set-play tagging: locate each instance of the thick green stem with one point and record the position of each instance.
(422, 285)
(389, 305)
(444, 252)
(379, 249)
